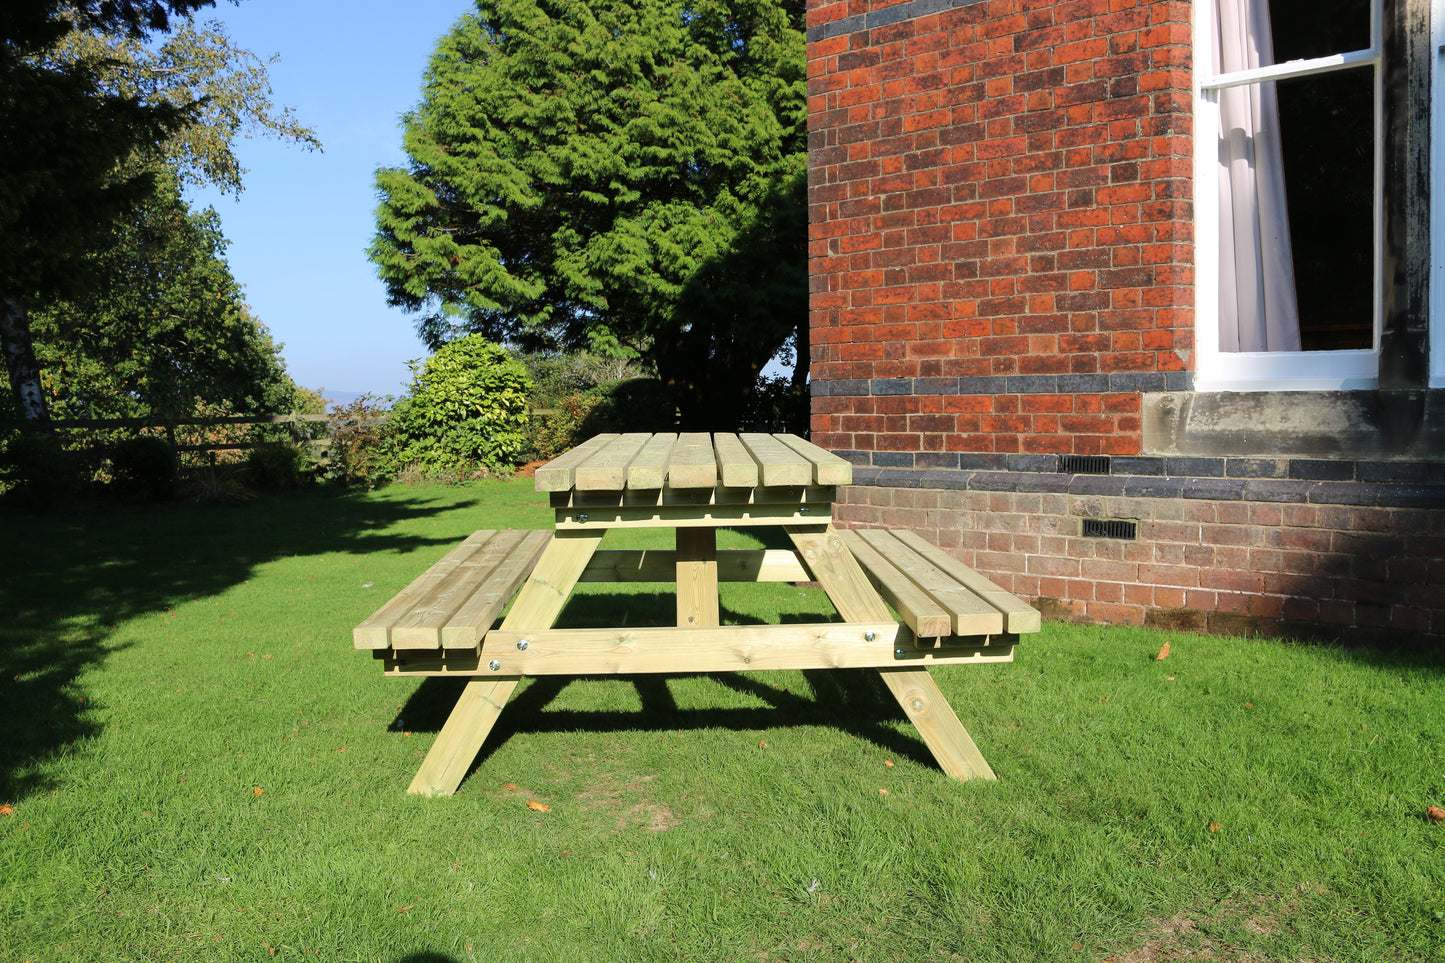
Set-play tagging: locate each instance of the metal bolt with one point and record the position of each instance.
(869, 636)
(494, 665)
(522, 645)
(917, 705)
(898, 652)
(582, 517)
(803, 510)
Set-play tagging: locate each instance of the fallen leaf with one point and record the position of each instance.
(882, 792)
(888, 763)
(510, 786)
(762, 743)
(1163, 653)
(6, 810)
(1435, 814)
(538, 807)
(403, 909)
(269, 948)
(257, 791)
(1214, 827)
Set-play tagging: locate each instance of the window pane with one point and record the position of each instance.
(1304, 29)
(1327, 131)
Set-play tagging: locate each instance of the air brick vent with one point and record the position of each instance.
(1110, 528)
(1083, 464)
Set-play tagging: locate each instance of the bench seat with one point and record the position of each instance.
(934, 594)
(452, 604)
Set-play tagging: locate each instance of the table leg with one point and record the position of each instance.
(942, 733)
(697, 600)
(847, 585)
(536, 607)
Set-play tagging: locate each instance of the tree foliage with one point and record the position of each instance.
(467, 406)
(101, 124)
(164, 329)
(625, 176)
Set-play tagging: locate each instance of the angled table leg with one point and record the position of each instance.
(536, 607)
(847, 585)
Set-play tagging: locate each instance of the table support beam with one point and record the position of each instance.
(847, 585)
(537, 606)
(697, 599)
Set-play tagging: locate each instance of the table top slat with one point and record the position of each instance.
(648, 470)
(779, 464)
(606, 470)
(692, 463)
(828, 468)
(738, 469)
(558, 474)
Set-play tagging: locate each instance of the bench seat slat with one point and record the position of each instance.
(971, 615)
(467, 626)
(922, 614)
(1018, 615)
(374, 633)
(421, 628)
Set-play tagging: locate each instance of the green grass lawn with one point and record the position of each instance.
(197, 765)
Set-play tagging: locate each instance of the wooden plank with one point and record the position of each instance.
(923, 615)
(778, 464)
(557, 475)
(1019, 616)
(917, 694)
(606, 470)
(697, 599)
(649, 469)
(421, 627)
(929, 711)
(736, 466)
(683, 516)
(660, 565)
(745, 648)
(538, 604)
(692, 463)
(692, 496)
(838, 572)
(374, 632)
(465, 627)
(971, 615)
(828, 468)
(451, 755)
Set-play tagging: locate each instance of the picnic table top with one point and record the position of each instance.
(644, 461)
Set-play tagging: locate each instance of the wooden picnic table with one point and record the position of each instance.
(692, 485)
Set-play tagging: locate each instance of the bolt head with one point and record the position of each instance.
(870, 636)
(494, 665)
(522, 645)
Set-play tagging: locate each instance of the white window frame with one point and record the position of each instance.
(1216, 370)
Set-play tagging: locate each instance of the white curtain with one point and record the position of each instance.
(1257, 307)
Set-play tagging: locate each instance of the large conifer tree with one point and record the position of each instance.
(617, 175)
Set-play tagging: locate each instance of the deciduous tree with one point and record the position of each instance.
(624, 176)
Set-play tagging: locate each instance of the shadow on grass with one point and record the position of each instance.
(68, 582)
(853, 701)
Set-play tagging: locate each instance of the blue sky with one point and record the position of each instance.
(299, 231)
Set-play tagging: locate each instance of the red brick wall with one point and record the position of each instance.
(1361, 573)
(998, 190)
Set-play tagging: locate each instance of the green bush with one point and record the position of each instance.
(37, 471)
(145, 469)
(277, 467)
(467, 407)
(360, 449)
(638, 404)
